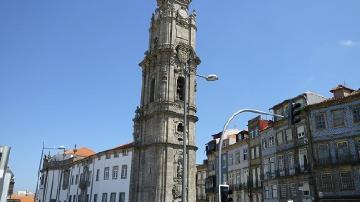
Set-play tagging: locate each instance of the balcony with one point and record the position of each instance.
(302, 169)
(324, 161)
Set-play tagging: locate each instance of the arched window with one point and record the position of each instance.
(180, 92)
(152, 90)
(180, 128)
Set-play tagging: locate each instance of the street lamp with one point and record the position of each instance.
(210, 77)
(225, 127)
(42, 154)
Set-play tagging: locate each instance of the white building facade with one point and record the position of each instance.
(5, 173)
(86, 176)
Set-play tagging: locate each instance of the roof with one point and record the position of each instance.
(339, 87)
(334, 101)
(125, 146)
(23, 198)
(83, 152)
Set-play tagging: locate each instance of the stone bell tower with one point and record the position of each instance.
(158, 124)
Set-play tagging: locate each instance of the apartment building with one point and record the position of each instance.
(201, 174)
(268, 159)
(81, 175)
(293, 152)
(255, 126)
(335, 131)
(212, 180)
(238, 166)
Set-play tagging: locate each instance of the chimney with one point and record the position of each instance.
(341, 91)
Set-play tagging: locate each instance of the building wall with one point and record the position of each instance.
(53, 189)
(336, 150)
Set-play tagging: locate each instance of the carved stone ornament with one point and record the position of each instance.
(176, 191)
(183, 53)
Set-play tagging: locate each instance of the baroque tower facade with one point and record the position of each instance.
(158, 124)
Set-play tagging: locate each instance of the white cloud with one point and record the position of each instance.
(348, 43)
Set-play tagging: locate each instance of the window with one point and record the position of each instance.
(152, 90)
(347, 182)
(66, 179)
(124, 172)
(274, 191)
(124, 152)
(113, 197)
(324, 154)
(253, 153)
(70, 198)
(77, 179)
(258, 177)
(71, 181)
(271, 141)
(122, 197)
(281, 165)
(97, 174)
(338, 118)
(266, 169)
(104, 197)
(238, 177)
(257, 151)
(108, 155)
(300, 131)
(224, 163)
(342, 151)
(266, 188)
(320, 121)
(272, 166)
(180, 88)
(282, 189)
(95, 197)
(356, 114)
(106, 173)
(264, 143)
(116, 155)
(288, 135)
(180, 128)
(115, 172)
(237, 157)
(245, 154)
(292, 190)
(327, 183)
(254, 177)
(290, 158)
(230, 162)
(279, 137)
(303, 159)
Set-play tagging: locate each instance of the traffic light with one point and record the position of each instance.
(294, 113)
(224, 193)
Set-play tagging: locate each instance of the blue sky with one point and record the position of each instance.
(69, 69)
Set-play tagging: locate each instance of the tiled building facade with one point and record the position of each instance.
(316, 158)
(335, 129)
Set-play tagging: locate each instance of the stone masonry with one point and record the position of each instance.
(158, 123)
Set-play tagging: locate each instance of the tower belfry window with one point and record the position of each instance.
(152, 90)
(180, 91)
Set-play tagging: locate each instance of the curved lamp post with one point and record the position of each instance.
(225, 128)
